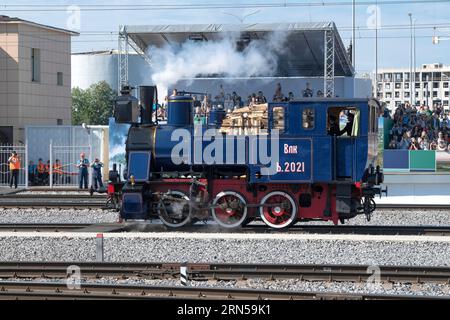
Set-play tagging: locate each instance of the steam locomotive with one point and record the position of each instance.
(282, 166)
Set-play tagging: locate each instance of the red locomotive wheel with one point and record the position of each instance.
(175, 213)
(230, 209)
(278, 210)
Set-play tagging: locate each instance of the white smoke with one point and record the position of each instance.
(219, 57)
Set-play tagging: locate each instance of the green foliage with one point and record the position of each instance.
(93, 106)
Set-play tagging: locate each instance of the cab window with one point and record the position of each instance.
(343, 122)
(278, 118)
(308, 118)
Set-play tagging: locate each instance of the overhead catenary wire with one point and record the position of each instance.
(205, 6)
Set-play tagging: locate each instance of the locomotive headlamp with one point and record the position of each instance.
(132, 181)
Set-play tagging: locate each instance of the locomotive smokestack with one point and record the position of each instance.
(148, 96)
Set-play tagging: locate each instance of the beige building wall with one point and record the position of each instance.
(23, 101)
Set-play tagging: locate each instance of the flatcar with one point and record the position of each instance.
(280, 163)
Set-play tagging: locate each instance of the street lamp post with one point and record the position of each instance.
(411, 61)
(354, 35)
(414, 60)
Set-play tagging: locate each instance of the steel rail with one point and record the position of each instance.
(52, 196)
(252, 229)
(60, 290)
(43, 227)
(226, 272)
(305, 229)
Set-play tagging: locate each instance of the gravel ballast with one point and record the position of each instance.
(40, 216)
(387, 217)
(229, 248)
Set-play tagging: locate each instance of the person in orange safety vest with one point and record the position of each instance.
(14, 167)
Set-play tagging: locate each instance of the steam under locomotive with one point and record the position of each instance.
(278, 162)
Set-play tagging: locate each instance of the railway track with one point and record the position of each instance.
(413, 206)
(54, 287)
(60, 291)
(212, 228)
(303, 229)
(49, 227)
(52, 201)
(225, 271)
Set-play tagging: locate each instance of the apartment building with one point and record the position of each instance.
(35, 77)
(428, 86)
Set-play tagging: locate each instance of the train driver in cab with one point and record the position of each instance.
(335, 130)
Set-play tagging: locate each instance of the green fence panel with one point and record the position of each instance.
(387, 126)
(422, 160)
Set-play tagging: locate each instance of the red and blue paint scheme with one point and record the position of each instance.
(294, 171)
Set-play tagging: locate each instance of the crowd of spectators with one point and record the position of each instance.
(420, 128)
(230, 101)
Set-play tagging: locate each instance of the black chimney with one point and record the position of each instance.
(148, 96)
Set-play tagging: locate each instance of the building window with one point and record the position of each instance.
(397, 94)
(407, 76)
(59, 122)
(59, 78)
(398, 86)
(417, 85)
(445, 85)
(406, 85)
(398, 77)
(435, 94)
(387, 86)
(446, 94)
(388, 95)
(436, 85)
(388, 77)
(35, 65)
(308, 119)
(446, 103)
(407, 94)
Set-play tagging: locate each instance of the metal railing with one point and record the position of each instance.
(63, 160)
(58, 167)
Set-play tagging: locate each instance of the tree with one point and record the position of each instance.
(94, 105)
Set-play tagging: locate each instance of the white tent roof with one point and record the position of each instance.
(305, 57)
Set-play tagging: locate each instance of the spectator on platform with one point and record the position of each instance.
(261, 99)
(414, 144)
(41, 172)
(278, 96)
(97, 173)
(14, 168)
(404, 142)
(291, 96)
(57, 171)
(307, 93)
(32, 172)
(83, 165)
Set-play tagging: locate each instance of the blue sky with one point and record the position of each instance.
(393, 44)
